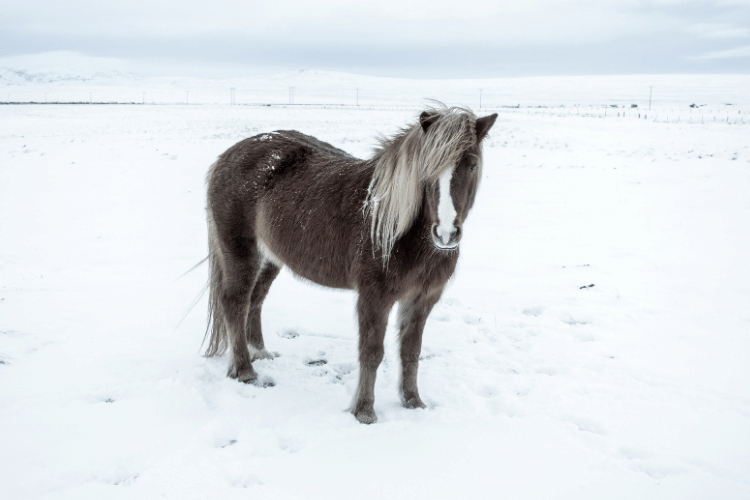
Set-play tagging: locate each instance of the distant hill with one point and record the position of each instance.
(311, 86)
(11, 76)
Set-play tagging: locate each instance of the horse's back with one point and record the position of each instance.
(322, 148)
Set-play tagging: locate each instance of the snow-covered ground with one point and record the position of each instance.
(538, 384)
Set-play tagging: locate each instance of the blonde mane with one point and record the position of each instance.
(408, 161)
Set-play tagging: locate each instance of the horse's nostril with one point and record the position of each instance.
(456, 235)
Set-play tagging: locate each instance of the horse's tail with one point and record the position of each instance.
(216, 330)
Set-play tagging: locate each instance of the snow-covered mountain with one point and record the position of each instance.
(19, 77)
(74, 78)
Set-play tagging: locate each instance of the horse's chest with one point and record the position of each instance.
(424, 276)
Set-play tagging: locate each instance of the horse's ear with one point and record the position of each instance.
(426, 119)
(484, 125)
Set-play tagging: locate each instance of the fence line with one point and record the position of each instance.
(657, 114)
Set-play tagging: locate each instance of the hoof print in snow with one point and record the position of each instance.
(533, 311)
(230, 443)
(317, 362)
(264, 383)
(128, 480)
(343, 369)
(570, 320)
(586, 286)
(472, 319)
(109, 400)
(288, 334)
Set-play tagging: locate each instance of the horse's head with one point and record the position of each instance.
(449, 198)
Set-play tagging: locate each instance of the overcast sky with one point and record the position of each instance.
(399, 38)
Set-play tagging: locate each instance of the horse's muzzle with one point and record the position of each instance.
(453, 238)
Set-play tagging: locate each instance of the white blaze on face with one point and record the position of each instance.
(446, 210)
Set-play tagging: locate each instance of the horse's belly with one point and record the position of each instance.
(320, 278)
(309, 263)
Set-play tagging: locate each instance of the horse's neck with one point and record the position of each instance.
(414, 237)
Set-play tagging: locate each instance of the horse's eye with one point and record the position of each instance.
(474, 167)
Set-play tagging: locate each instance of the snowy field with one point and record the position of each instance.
(594, 343)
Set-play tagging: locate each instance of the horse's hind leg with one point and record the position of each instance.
(412, 315)
(254, 333)
(239, 278)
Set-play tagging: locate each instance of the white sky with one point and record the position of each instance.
(403, 38)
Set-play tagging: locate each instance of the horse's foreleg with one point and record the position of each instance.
(372, 313)
(412, 315)
(254, 332)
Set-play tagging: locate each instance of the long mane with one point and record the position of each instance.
(405, 163)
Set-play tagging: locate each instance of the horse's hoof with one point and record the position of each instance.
(412, 401)
(244, 375)
(366, 416)
(256, 354)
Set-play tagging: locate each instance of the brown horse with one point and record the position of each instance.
(387, 227)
